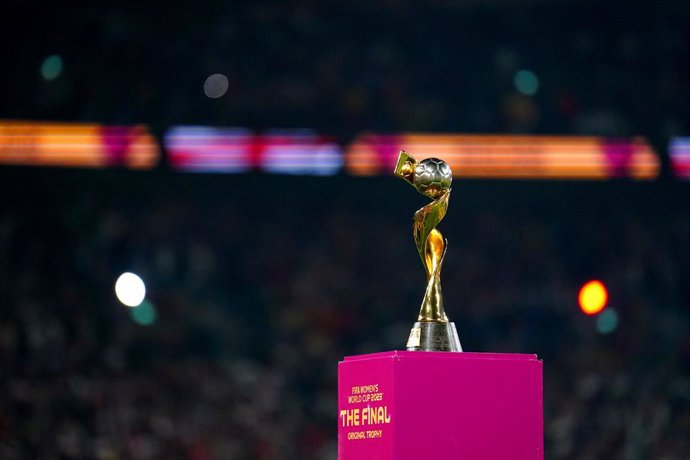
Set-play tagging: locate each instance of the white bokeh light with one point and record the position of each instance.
(216, 85)
(130, 289)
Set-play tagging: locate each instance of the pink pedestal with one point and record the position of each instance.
(401, 405)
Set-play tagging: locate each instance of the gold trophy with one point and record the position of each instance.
(432, 178)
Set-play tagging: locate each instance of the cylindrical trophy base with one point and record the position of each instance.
(433, 336)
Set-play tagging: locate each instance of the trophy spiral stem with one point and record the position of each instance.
(431, 246)
(432, 305)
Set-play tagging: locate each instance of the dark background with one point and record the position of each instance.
(611, 68)
(262, 283)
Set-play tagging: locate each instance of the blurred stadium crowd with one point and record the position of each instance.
(263, 283)
(591, 67)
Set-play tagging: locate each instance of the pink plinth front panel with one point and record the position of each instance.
(402, 405)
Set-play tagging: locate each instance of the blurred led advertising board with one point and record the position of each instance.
(304, 152)
(510, 157)
(235, 150)
(679, 154)
(200, 148)
(77, 145)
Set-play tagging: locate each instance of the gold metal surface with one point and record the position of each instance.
(431, 245)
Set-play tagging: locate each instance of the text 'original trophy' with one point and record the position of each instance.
(432, 178)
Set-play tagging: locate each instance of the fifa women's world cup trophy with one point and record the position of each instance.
(411, 405)
(432, 178)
